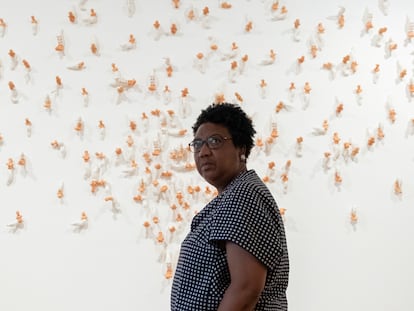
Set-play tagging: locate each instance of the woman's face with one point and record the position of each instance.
(218, 166)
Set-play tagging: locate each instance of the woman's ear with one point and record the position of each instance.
(243, 154)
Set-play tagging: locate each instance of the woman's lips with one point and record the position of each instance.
(207, 165)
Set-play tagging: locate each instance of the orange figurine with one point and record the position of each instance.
(398, 187)
(173, 29)
(225, 5)
(47, 104)
(341, 18)
(339, 109)
(35, 24)
(60, 47)
(72, 17)
(79, 127)
(248, 27)
(169, 272)
(3, 27)
(94, 49)
(176, 4)
(392, 115)
(353, 218)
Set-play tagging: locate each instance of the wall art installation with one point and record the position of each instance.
(97, 99)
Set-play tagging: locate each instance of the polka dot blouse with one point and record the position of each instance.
(245, 213)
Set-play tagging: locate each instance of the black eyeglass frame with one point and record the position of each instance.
(210, 142)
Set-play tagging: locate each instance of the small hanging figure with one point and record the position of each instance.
(306, 95)
(85, 96)
(3, 27)
(299, 146)
(185, 103)
(233, 72)
(81, 225)
(94, 47)
(401, 73)
(131, 8)
(72, 17)
(166, 95)
(28, 125)
(242, 63)
(14, 95)
(82, 4)
(408, 132)
(18, 224)
(47, 104)
(384, 6)
(14, 59)
(11, 171)
(379, 37)
(358, 94)
(353, 218)
(232, 53)
(398, 188)
(205, 18)
(409, 31)
(200, 63)
(169, 68)
(338, 180)
(354, 153)
(389, 47)
(329, 67)
(291, 91)
(276, 14)
(322, 130)
(88, 164)
(79, 128)
(270, 59)
(319, 35)
(58, 85)
(157, 31)
(121, 96)
(284, 177)
(60, 194)
(115, 207)
(92, 18)
(367, 22)
(263, 88)
(22, 163)
(59, 147)
(410, 90)
(299, 64)
(130, 45)
(326, 163)
(77, 67)
(28, 70)
(101, 129)
(152, 88)
(35, 25)
(296, 35)
(60, 47)
(191, 14)
(119, 157)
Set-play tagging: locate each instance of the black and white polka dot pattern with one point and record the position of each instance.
(246, 214)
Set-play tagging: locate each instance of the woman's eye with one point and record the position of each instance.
(197, 144)
(214, 140)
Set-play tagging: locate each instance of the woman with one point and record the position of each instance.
(235, 256)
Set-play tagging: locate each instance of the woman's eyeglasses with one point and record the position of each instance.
(212, 142)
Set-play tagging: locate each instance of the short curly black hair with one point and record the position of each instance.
(234, 119)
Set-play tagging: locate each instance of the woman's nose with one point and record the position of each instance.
(204, 150)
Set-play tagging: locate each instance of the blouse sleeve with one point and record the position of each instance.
(247, 218)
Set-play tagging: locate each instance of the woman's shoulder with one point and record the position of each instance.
(249, 184)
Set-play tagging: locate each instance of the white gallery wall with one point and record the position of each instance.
(334, 112)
